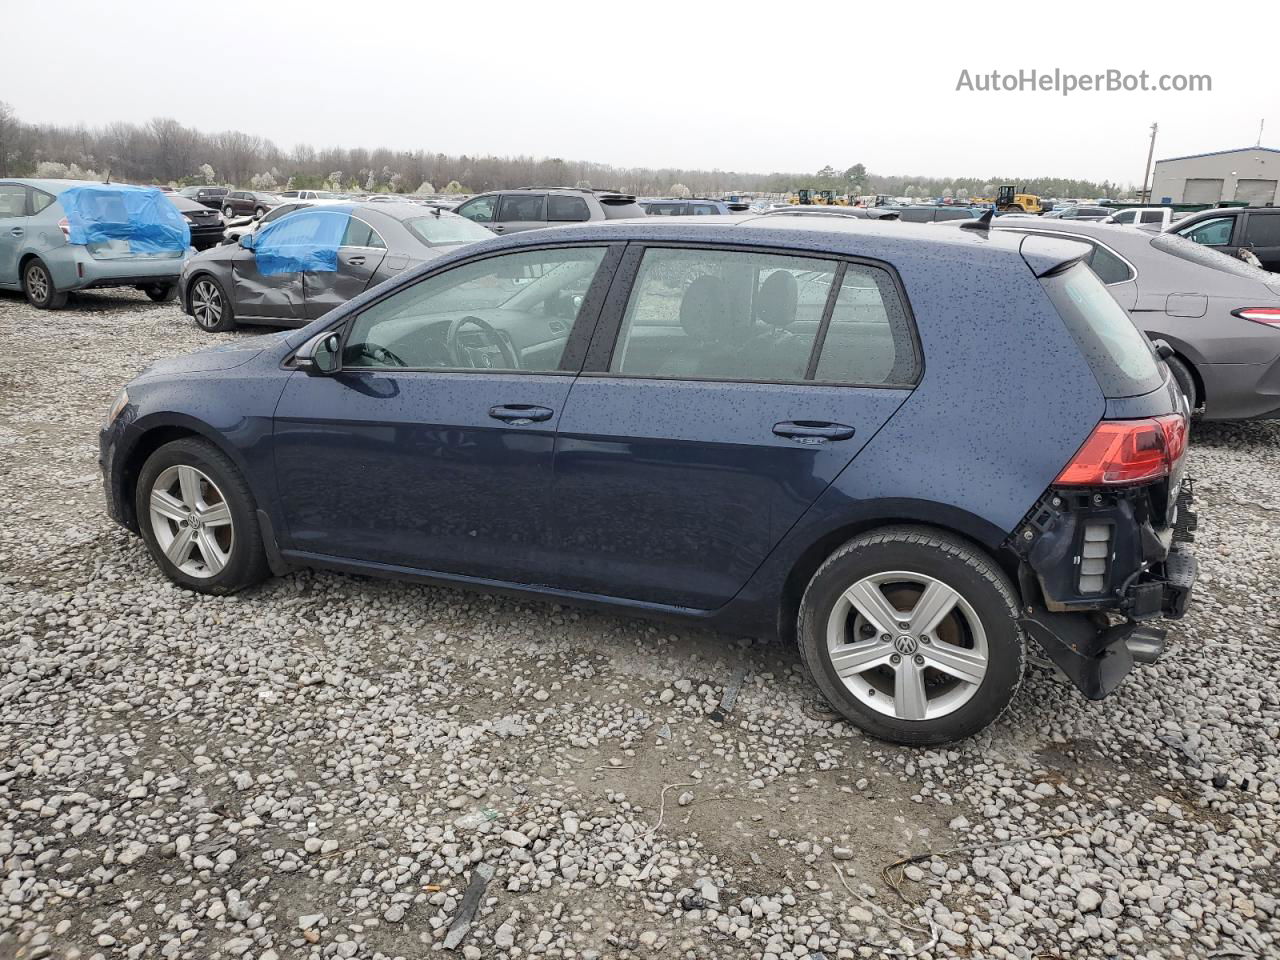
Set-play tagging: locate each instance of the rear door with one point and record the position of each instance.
(1262, 236)
(359, 257)
(13, 228)
(725, 389)
(520, 211)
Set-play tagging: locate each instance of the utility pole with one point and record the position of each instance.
(1145, 196)
(1261, 123)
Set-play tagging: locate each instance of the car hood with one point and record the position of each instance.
(212, 359)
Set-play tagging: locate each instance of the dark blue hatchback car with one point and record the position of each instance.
(909, 449)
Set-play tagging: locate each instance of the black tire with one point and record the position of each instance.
(1185, 380)
(246, 562)
(220, 315)
(258, 212)
(228, 211)
(161, 292)
(39, 288)
(955, 563)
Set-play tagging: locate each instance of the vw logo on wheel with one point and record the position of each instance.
(905, 645)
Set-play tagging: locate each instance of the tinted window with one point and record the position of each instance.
(280, 211)
(1215, 232)
(915, 215)
(708, 314)
(868, 340)
(480, 209)
(1118, 352)
(1152, 216)
(665, 209)
(1126, 217)
(517, 207)
(703, 209)
(13, 200)
(360, 234)
(1261, 230)
(567, 208)
(1108, 267)
(526, 302)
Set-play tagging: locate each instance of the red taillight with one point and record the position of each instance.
(65, 226)
(1127, 451)
(1267, 315)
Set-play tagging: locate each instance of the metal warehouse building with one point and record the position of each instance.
(1249, 174)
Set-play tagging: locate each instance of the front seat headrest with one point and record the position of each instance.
(704, 309)
(777, 299)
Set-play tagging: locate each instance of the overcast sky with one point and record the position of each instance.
(736, 86)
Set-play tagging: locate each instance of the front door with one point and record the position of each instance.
(738, 386)
(432, 447)
(359, 257)
(270, 274)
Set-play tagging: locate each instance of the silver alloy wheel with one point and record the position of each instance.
(206, 304)
(907, 645)
(228, 212)
(37, 283)
(191, 521)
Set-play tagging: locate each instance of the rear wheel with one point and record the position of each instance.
(1186, 382)
(37, 284)
(911, 635)
(198, 518)
(210, 307)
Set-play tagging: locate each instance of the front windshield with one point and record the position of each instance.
(442, 230)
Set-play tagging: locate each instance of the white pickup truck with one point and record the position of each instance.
(1156, 219)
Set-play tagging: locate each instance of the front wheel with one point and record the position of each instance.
(228, 211)
(37, 284)
(161, 292)
(210, 307)
(198, 518)
(911, 634)
(258, 212)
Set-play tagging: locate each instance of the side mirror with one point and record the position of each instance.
(1163, 350)
(319, 355)
(246, 240)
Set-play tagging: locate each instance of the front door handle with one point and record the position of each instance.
(812, 431)
(16, 232)
(519, 414)
(496, 227)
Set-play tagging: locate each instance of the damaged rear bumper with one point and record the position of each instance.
(1094, 630)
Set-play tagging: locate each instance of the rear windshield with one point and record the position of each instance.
(446, 230)
(1206, 257)
(1120, 355)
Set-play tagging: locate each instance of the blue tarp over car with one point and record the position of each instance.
(143, 217)
(302, 242)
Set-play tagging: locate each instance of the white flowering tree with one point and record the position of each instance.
(51, 170)
(425, 188)
(453, 186)
(207, 174)
(262, 181)
(680, 190)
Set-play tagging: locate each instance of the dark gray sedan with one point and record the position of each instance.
(309, 261)
(1220, 315)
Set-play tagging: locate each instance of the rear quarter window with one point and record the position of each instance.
(1118, 353)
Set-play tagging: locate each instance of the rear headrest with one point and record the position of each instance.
(704, 309)
(776, 301)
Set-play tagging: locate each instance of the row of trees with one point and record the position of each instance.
(165, 151)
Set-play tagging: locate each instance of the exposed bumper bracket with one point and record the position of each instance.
(1096, 660)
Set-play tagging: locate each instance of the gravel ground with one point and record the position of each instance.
(321, 766)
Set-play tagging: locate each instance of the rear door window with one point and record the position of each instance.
(868, 339)
(1118, 352)
(1213, 233)
(522, 207)
(1262, 230)
(360, 234)
(664, 209)
(704, 209)
(567, 209)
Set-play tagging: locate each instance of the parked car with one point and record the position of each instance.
(1079, 212)
(211, 197)
(933, 213)
(857, 213)
(241, 203)
(1147, 218)
(314, 259)
(43, 254)
(510, 211)
(1229, 229)
(206, 225)
(689, 207)
(761, 425)
(1220, 316)
(308, 195)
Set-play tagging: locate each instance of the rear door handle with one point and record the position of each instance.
(358, 261)
(16, 232)
(519, 414)
(812, 431)
(496, 227)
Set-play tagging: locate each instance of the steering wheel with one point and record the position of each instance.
(463, 356)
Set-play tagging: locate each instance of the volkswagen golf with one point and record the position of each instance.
(913, 452)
